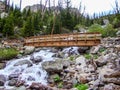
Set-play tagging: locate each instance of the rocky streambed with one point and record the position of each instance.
(55, 69)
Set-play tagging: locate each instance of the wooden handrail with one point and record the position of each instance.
(77, 37)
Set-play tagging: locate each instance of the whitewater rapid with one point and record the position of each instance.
(31, 72)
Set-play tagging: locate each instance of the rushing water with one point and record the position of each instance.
(30, 74)
(34, 72)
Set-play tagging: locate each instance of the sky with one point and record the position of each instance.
(91, 6)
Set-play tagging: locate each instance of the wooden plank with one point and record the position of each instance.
(79, 39)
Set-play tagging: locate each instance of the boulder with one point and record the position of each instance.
(94, 49)
(28, 49)
(23, 62)
(111, 86)
(53, 66)
(36, 59)
(103, 60)
(21, 88)
(39, 86)
(112, 80)
(82, 50)
(12, 82)
(81, 61)
(2, 80)
(13, 76)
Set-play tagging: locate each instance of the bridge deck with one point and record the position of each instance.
(79, 39)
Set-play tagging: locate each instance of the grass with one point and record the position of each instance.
(102, 50)
(88, 56)
(57, 78)
(60, 85)
(71, 58)
(81, 86)
(7, 53)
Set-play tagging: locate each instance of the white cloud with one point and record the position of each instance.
(91, 5)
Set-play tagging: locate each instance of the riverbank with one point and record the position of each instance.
(96, 68)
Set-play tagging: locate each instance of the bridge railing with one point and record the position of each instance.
(64, 37)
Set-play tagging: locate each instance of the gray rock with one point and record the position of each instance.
(74, 81)
(23, 62)
(53, 66)
(29, 49)
(118, 33)
(12, 82)
(30, 78)
(2, 80)
(95, 49)
(111, 86)
(13, 76)
(81, 61)
(36, 59)
(21, 88)
(2, 65)
(112, 80)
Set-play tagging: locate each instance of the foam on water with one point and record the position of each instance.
(31, 74)
(34, 73)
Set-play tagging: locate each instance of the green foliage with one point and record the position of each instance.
(8, 53)
(109, 31)
(95, 56)
(96, 28)
(88, 56)
(102, 50)
(60, 85)
(8, 27)
(31, 23)
(81, 86)
(71, 58)
(57, 78)
(28, 29)
(78, 26)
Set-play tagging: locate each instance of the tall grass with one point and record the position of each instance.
(7, 53)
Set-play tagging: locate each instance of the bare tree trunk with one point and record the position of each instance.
(53, 24)
(44, 10)
(53, 18)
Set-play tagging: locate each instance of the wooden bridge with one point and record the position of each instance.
(78, 39)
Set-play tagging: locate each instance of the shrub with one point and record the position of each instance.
(96, 28)
(81, 86)
(109, 31)
(8, 53)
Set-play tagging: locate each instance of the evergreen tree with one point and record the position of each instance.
(8, 29)
(28, 29)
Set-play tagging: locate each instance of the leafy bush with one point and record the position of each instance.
(109, 31)
(81, 86)
(96, 28)
(78, 26)
(8, 53)
(106, 31)
(57, 78)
